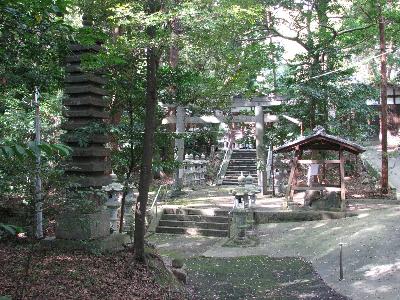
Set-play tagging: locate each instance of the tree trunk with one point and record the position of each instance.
(385, 175)
(148, 143)
(38, 181)
(130, 169)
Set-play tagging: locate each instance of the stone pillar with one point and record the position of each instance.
(179, 148)
(113, 204)
(86, 113)
(259, 118)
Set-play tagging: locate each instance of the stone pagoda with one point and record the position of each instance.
(86, 114)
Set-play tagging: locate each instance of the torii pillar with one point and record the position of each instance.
(179, 148)
(261, 172)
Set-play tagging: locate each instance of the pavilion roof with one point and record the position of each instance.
(320, 140)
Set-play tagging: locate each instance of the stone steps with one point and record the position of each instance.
(209, 212)
(192, 231)
(194, 221)
(196, 218)
(237, 173)
(241, 161)
(193, 224)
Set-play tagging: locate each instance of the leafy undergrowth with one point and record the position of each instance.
(365, 186)
(58, 274)
(256, 277)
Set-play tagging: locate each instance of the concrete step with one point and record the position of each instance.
(235, 166)
(233, 178)
(192, 224)
(234, 155)
(238, 173)
(243, 157)
(192, 231)
(242, 161)
(195, 218)
(245, 172)
(232, 182)
(209, 212)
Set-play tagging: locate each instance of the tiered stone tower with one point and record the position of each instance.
(85, 108)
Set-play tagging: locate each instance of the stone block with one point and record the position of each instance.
(72, 124)
(75, 226)
(92, 180)
(79, 48)
(93, 138)
(85, 89)
(180, 274)
(86, 113)
(86, 101)
(110, 243)
(96, 166)
(177, 263)
(73, 68)
(92, 151)
(329, 201)
(73, 59)
(85, 78)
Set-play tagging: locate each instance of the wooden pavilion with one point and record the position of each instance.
(319, 140)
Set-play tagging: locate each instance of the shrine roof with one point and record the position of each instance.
(320, 140)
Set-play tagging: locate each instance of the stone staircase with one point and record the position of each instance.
(193, 221)
(242, 160)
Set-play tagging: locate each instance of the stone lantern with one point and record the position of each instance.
(240, 211)
(241, 179)
(128, 213)
(250, 188)
(239, 193)
(114, 193)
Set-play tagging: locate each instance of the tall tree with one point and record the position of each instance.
(382, 44)
(146, 174)
(382, 18)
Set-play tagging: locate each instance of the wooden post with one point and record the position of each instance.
(342, 186)
(290, 191)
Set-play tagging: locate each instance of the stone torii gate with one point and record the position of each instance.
(180, 119)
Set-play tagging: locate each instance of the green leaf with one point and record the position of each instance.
(7, 151)
(10, 229)
(47, 148)
(20, 151)
(63, 150)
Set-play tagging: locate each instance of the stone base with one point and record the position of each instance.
(247, 241)
(290, 205)
(83, 226)
(327, 201)
(112, 243)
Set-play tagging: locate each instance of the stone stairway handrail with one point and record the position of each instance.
(225, 162)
